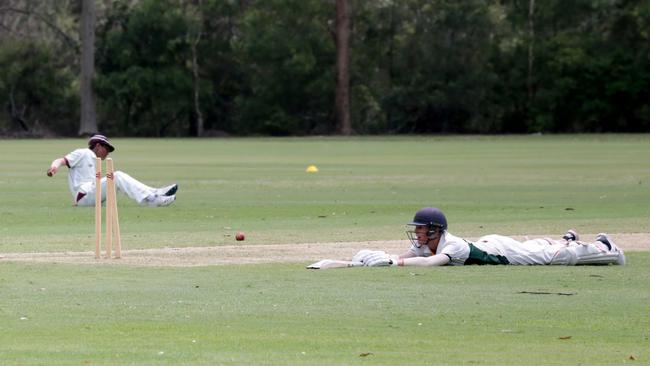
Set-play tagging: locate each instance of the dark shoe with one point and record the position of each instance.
(168, 191)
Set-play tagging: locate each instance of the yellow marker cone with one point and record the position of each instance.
(312, 169)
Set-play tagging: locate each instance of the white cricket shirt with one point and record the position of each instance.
(82, 169)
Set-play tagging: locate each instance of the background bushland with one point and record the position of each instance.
(268, 67)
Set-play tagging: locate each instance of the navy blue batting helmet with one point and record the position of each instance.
(431, 217)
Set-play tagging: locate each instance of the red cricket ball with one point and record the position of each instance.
(240, 236)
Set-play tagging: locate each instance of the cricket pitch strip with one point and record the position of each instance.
(258, 254)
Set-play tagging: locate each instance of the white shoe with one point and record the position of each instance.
(571, 235)
(159, 201)
(607, 240)
(170, 190)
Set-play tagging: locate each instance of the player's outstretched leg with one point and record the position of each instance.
(602, 251)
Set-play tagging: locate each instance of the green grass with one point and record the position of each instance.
(367, 188)
(282, 314)
(286, 315)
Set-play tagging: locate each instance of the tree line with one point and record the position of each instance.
(302, 67)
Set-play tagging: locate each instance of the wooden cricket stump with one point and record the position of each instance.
(98, 207)
(113, 234)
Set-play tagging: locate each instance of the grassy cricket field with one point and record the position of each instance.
(365, 190)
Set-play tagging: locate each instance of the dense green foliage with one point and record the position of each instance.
(417, 66)
(143, 83)
(37, 89)
(286, 56)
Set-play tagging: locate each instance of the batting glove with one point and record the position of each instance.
(361, 254)
(381, 260)
(365, 255)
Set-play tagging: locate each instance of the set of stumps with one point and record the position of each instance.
(113, 235)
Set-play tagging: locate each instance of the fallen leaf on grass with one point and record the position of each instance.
(565, 337)
(632, 358)
(365, 354)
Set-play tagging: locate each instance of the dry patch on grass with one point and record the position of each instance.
(256, 254)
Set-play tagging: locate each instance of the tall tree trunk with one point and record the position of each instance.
(530, 80)
(88, 122)
(195, 74)
(195, 81)
(343, 66)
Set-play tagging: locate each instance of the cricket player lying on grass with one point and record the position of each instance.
(433, 245)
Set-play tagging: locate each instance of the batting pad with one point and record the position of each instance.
(332, 263)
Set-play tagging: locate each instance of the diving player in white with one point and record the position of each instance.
(81, 177)
(432, 245)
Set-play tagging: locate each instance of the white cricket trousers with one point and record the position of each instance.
(132, 187)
